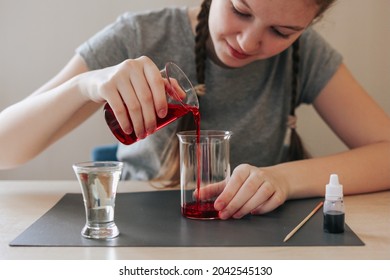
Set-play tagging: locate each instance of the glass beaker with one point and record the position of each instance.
(204, 171)
(181, 98)
(99, 182)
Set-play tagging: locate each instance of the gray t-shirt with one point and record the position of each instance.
(253, 101)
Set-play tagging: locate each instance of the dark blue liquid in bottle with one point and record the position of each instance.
(334, 222)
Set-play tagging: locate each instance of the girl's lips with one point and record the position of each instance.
(236, 54)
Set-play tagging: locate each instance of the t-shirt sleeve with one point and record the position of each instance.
(156, 34)
(107, 48)
(319, 62)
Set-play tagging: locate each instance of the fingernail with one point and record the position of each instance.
(219, 205)
(223, 215)
(162, 113)
(151, 130)
(128, 130)
(237, 216)
(142, 135)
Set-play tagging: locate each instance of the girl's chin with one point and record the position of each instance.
(233, 62)
(230, 62)
(225, 60)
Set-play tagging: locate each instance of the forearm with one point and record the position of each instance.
(30, 126)
(361, 170)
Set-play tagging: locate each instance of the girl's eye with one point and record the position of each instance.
(240, 14)
(280, 34)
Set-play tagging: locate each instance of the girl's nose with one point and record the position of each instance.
(250, 40)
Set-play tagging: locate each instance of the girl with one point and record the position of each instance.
(254, 62)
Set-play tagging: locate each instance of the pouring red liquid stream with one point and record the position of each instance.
(199, 209)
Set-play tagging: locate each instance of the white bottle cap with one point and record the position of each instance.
(334, 190)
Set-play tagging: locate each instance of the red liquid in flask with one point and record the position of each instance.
(175, 111)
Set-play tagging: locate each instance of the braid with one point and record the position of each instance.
(170, 169)
(294, 80)
(202, 34)
(296, 149)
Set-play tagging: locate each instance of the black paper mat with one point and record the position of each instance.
(154, 219)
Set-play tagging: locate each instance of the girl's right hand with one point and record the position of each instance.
(132, 88)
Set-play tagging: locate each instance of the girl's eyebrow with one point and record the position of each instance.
(292, 27)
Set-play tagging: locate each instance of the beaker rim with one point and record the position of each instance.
(98, 165)
(206, 133)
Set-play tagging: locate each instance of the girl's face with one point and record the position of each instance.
(243, 31)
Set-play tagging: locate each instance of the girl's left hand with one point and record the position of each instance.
(252, 190)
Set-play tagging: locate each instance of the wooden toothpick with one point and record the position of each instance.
(288, 236)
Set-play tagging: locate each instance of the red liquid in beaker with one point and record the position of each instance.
(199, 210)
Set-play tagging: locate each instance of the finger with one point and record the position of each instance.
(272, 203)
(133, 107)
(210, 191)
(145, 99)
(175, 90)
(242, 197)
(262, 195)
(157, 89)
(239, 176)
(119, 108)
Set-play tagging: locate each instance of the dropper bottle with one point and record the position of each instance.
(334, 215)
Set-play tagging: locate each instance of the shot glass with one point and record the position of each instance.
(181, 98)
(204, 171)
(99, 183)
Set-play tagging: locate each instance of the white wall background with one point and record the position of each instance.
(38, 37)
